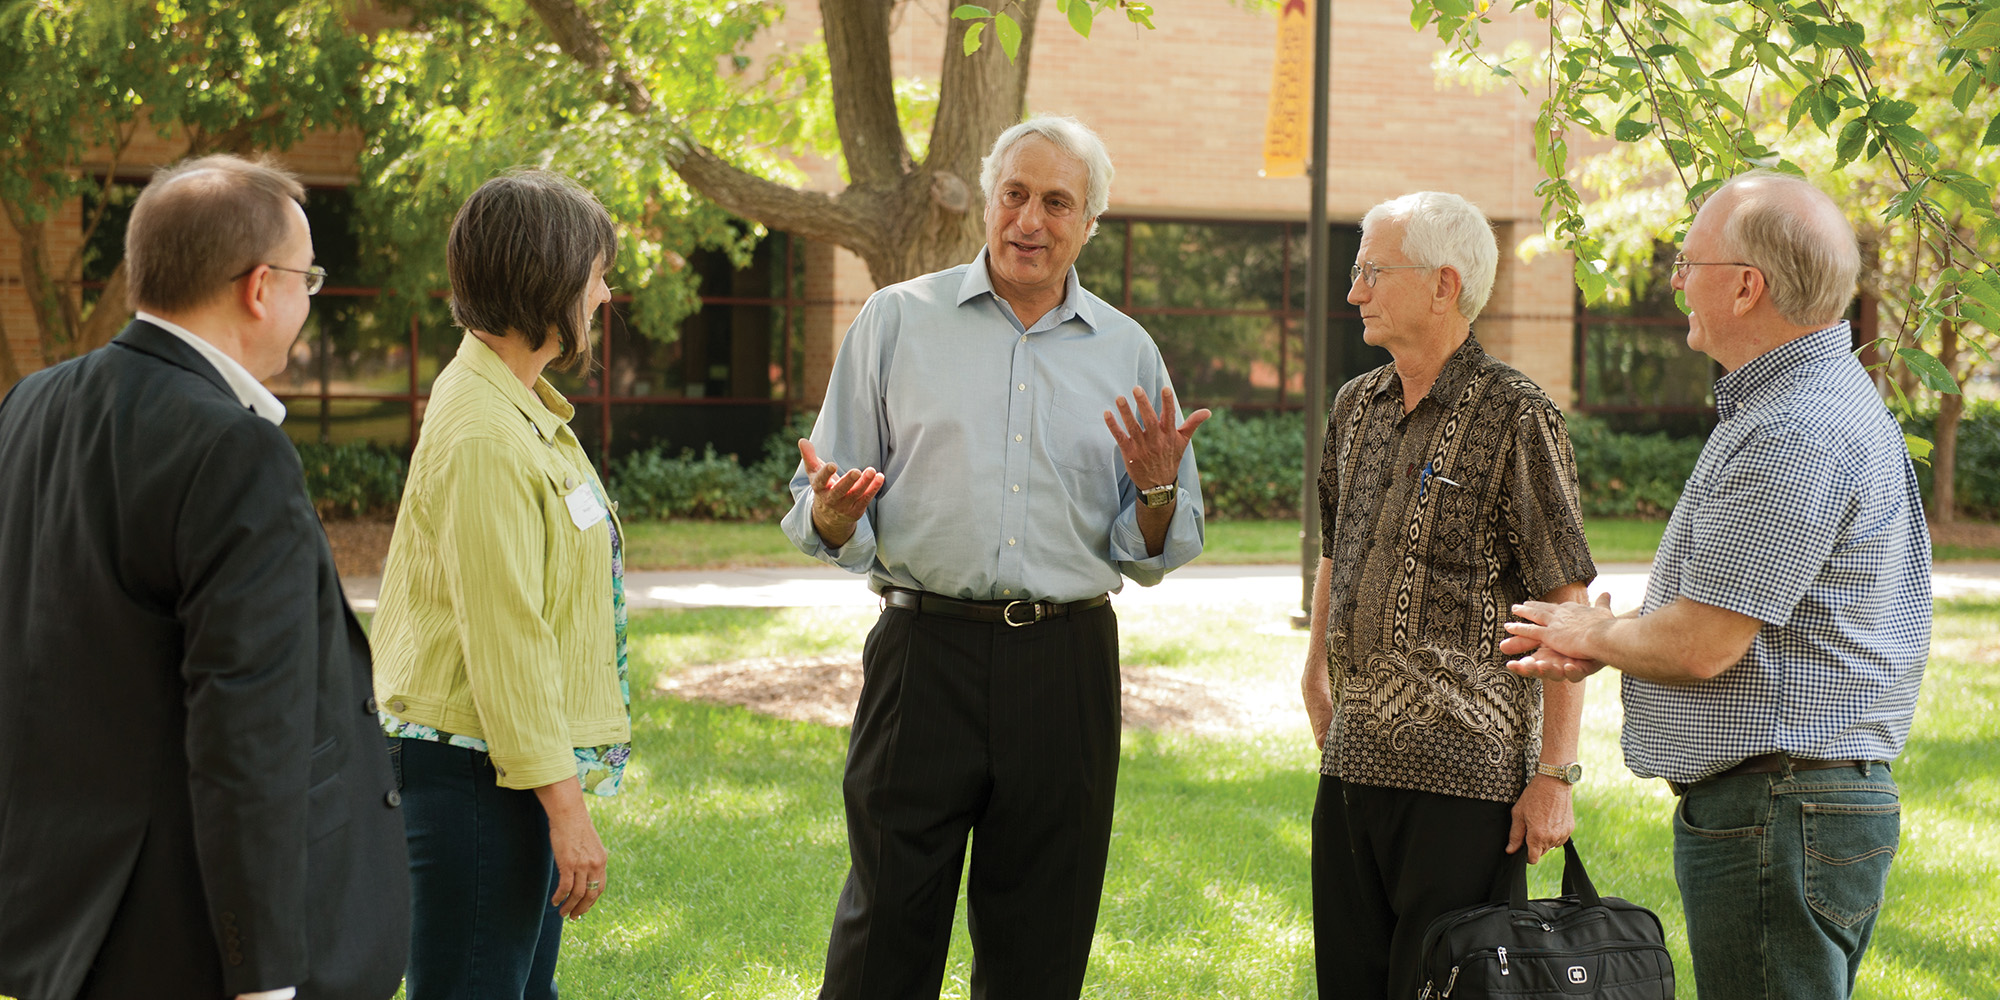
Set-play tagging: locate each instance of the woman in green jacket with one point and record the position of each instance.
(500, 640)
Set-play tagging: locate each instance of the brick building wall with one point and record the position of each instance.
(1182, 110)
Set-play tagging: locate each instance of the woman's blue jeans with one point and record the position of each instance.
(1781, 876)
(481, 874)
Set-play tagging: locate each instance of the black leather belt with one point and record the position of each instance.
(1774, 763)
(1013, 613)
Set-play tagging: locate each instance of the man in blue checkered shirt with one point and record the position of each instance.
(1772, 673)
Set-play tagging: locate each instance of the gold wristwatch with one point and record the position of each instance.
(1568, 774)
(1157, 496)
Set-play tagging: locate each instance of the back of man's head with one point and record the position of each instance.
(1793, 233)
(201, 224)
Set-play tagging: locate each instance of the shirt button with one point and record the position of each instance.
(1023, 387)
(1010, 541)
(393, 799)
(396, 705)
(1017, 437)
(369, 706)
(1017, 487)
(569, 483)
(1007, 592)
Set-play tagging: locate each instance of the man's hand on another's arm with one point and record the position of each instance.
(1683, 643)
(838, 501)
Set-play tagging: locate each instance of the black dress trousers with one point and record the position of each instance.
(1385, 863)
(1009, 735)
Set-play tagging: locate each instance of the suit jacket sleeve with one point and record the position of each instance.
(246, 553)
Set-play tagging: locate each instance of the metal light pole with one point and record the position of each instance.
(1317, 269)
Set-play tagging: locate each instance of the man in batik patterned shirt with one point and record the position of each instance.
(1447, 494)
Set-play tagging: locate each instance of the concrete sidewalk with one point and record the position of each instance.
(1278, 587)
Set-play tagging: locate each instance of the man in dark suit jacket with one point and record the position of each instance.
(195, 798)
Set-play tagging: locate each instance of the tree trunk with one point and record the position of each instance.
(10, 372)
(108, 316)
(54, 307)
(902, 219)
(1944, 449)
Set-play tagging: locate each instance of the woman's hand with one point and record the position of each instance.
(580, 856)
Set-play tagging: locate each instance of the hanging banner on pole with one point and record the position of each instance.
(1290, 123)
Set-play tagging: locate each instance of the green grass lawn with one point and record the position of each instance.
(728, 847)
(711, 544)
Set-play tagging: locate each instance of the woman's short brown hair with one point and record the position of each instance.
(522, 252)
(200, 224)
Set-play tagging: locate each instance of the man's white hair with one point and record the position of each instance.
(1445, 230)
(1072, 137)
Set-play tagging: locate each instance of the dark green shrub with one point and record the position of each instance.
(357, 479)
(1630, 475)
(1251, 465)
(1976, 474)
(653, 484)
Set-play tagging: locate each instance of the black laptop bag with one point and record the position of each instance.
(1581, 945)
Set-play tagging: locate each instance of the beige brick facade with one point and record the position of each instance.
(1182, 110)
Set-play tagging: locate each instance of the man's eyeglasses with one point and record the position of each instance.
(1367, 271)
(1682, 263)
(315, 276)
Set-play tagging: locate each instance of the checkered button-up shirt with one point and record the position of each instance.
(1802, 513)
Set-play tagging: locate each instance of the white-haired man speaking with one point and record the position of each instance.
(993, 500)
(1448, 493)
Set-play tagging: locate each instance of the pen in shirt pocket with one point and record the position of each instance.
(1423, 480)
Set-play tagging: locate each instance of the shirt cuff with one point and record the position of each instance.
(856, 556)
(1183, 542)
(282, 993)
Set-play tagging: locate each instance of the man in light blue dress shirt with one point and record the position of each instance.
(994, 499)
(1772, 673)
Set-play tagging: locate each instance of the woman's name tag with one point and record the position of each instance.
(584, 509)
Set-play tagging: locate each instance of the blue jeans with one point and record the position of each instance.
(481, 874)
(1781, 876)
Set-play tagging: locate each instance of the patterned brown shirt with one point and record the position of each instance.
(1424, 571)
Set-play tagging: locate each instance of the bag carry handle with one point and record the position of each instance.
(1575, 881)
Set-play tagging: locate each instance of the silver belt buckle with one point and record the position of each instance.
(1007, 613)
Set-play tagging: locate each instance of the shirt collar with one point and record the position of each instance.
(1735, 389)
(978, 281)
(1451, 379)
(250, 392)
(545, 407)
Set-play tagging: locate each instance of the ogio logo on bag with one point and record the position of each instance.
(1577, 975)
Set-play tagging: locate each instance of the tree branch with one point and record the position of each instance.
(810, 214)
(864, 95)
(578, 36)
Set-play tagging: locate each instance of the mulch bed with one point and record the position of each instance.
(825, 689)
(359, 547)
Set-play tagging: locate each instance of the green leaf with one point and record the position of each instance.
(1982, 33)
(1920, 449)
(972, 35)
(1967, 89)
(1139, 13)
(1979, 314)
(1079, 16)
(1797, 110)
(1062, 7)
(1929, 370)
(1662, 49)
(1983, 288)
(1420, 14)
(1803, 32)
(1992, 137)
(1825, 109)
(1008, 31)
(1893, 112)
(1633, 131)
(1852, 135)
(971, 12)
(1700, 191)
(1682, 153)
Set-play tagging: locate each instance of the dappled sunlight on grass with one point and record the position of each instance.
(729, 846)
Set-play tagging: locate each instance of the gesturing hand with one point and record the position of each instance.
(1151, 444)
(838, 501)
